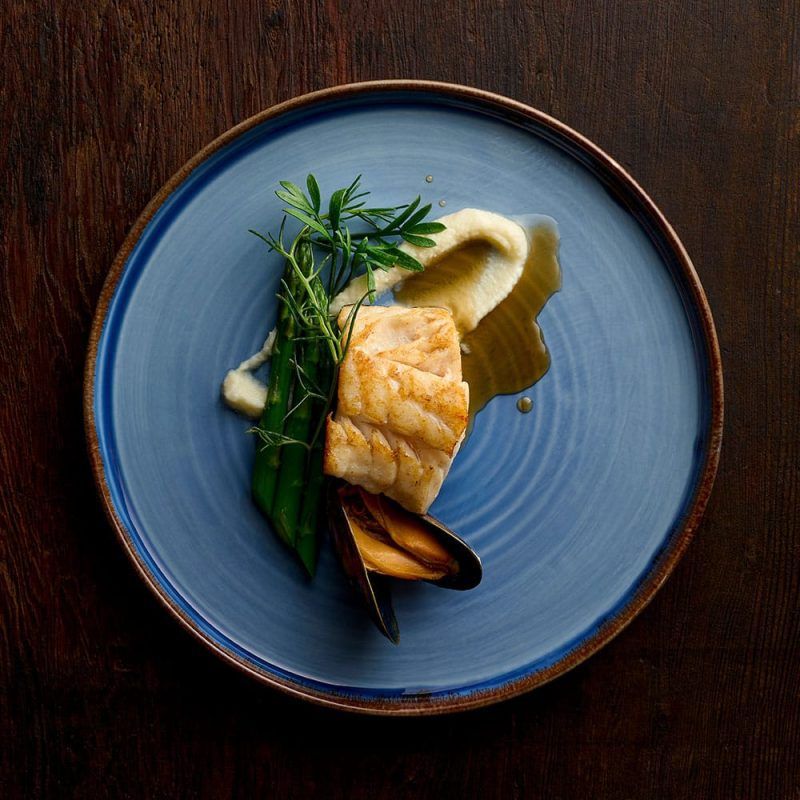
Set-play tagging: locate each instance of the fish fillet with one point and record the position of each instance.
(402, 406)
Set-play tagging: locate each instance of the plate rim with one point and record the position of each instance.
(662, 566)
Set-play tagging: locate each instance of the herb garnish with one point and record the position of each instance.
(309, 347)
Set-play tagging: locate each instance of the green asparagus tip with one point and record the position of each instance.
(285, 530)
(307, 551)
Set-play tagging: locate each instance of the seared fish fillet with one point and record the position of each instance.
(402, 406)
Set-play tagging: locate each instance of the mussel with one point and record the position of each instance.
(378, 540)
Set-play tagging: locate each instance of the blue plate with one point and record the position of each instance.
(579, 509)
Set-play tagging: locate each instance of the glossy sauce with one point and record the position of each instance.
(506, 353)
(451, 284)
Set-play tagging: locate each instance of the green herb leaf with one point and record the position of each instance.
(313, 191)
(294, 201)
(426, 227)
(418, 217)
(359, 254)
(400, 219)
(381, 255)
(370, 284)
(405, 261)
(308, 220)
(292, 188)
(419, 241)
(353, 187)
(335, 207)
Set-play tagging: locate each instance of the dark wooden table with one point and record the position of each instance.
(101, 103)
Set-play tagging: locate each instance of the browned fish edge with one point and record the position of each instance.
(627, 189)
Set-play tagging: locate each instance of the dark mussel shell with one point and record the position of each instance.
(374, 587)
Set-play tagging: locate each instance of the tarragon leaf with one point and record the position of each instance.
(350, 199)
(335, 207)
(426, 227)
(292, 188)
(398, 221)
(294, 201)
(370, 284)
(404, 260)
(419, 241)
(308, 220)
(381, 255)
(348, 193)
(360, 252)
(418, 217)
(313, 191)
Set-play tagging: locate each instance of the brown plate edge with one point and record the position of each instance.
(666, 561)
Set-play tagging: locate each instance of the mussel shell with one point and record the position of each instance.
(373, 586)
(470, 569)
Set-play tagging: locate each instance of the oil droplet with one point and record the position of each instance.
(524, 405)
(443, 203)
(429, 178)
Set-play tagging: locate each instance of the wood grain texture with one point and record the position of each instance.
(101, 103)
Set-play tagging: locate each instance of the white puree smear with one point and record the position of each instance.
(487, 288)
(498, 276)
(241, 390)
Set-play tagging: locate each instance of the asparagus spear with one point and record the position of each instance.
(294, 458)
(307, 543)
(291, 475)
(267, 461)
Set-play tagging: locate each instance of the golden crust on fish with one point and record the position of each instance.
(424, 338)
(402, 406)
